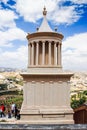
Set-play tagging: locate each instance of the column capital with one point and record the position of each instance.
(33, 42)
(36, 42)
(43, 41)
(60, 43)
(49, 41)
(29, 44)
(55, 42)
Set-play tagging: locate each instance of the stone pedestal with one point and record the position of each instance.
(47, 98)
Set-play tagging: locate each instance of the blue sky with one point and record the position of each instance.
(18, 17)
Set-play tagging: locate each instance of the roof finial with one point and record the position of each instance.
(44, 11)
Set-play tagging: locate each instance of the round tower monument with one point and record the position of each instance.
(46, 85)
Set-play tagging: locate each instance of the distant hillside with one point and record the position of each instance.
(4, 69)
(11, 80)
(78, 81)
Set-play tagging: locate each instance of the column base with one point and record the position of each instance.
(45, 122)
(49, 116)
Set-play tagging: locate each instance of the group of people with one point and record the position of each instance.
(11, 111)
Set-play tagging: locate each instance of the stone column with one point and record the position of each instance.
(32, 56)
(55, 54)
(59, 54)
(37, 52)
(29, 47)
(49, 53)
(43, 53)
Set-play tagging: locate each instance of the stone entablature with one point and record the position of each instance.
(45, 38)
(46, 34)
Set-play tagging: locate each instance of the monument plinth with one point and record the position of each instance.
(46, 85)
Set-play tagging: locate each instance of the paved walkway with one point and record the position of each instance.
(8, 120)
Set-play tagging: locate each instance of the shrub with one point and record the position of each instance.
(77, 103)
(85, 92)
(3, 86)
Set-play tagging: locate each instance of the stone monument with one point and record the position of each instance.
(46, 85)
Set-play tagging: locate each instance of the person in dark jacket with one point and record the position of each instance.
(15, 111)
(18, 115)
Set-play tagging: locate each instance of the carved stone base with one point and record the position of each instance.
(46, 99)
(47, 116)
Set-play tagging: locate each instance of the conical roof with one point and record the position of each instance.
(45, 30)
(45, 26)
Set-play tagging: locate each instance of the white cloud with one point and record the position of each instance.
(11, 6)
(15, 59)
(32, 10)
(79, 1)
(75, 52)
(4, 1)
(66, 15)
(8, 36)
(7, 18)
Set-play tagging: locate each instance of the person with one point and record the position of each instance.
(2, 109)
(15, 111)
(13, 108)
(18, 115)
(9, 114)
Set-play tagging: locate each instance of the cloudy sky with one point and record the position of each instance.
(18, 17)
